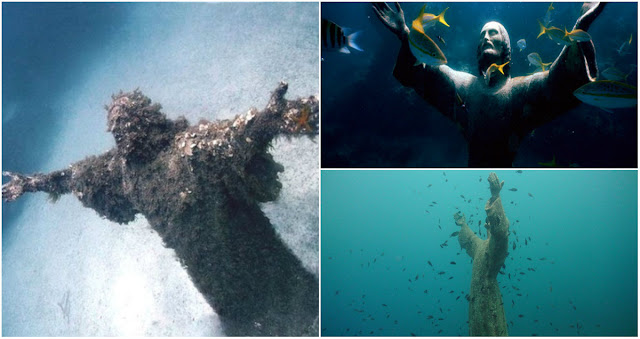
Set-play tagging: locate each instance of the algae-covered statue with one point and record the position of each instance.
(486, 309)
(495, 115)
(199, 187)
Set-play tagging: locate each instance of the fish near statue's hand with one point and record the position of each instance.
(495, 185)
(459, 218)
(393, 19)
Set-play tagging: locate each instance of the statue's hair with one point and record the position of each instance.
(506, 51)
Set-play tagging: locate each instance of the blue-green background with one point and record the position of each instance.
(583, 222)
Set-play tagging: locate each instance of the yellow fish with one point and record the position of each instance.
(577, 35)
(554, 33)
(494, 67)
(429, 20)
(608, 94)
(422, 46)
(536, 60)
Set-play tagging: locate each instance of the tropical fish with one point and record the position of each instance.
(519, 171)
(454, 234)
(522, 44)
(624, 48)
(608, 94)
(615, 74)
(493, 68)
(547, 16)
(441, 39)
(423, 48)
(453, 263)
(536, 60)
(555, 34)
(577, 35)
(429, 20)
(513, 189)
(334, 39)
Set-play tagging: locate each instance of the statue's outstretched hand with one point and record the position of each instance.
(589, 12)
(393, 19)
(14, 188)
(495, 185)
(459, 218)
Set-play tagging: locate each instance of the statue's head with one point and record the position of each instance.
(494, 47)
(139, 128)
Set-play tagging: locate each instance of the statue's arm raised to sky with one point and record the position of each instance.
(496, 112)
(437, 85)
(486, 309)
(199, 187)
(546, 95)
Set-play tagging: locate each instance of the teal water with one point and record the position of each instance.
(379, 232)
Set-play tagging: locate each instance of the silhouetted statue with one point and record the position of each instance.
(486, 310)
(495, 117)
(199, 187)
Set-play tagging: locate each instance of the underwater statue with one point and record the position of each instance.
(486, 309)
(495, 112)
(200, 187)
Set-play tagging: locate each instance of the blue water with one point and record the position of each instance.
(380, 229)
(370, 120)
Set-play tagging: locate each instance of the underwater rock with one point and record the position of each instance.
(199, 187)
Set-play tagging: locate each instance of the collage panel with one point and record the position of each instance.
(160, 169)
(483, 253)
(479, 84)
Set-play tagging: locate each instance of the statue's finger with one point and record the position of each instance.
(375, 10)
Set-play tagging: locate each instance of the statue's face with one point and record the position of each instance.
(491, 40)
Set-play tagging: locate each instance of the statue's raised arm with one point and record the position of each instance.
(439, 85)
(549, 94)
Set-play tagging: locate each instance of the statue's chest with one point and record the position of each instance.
(163, 186)
(490, 114)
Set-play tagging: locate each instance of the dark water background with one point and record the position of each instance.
(370, 120)
(576, 274)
